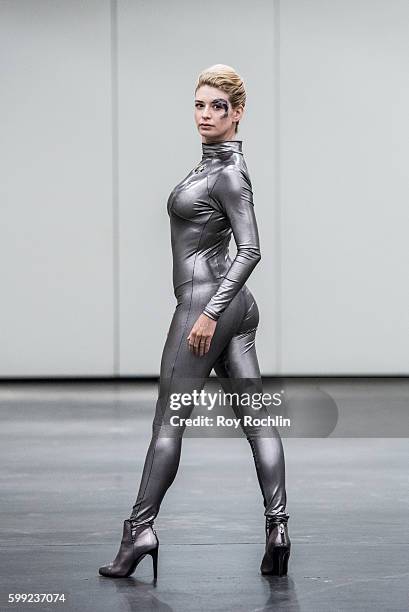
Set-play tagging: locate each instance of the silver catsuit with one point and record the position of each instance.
(214, 201)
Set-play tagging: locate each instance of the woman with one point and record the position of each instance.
(214, 323)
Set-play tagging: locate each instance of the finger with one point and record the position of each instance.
(207, 344)
(194, 339)
(197, 343)
(202, 347)
(190, 342)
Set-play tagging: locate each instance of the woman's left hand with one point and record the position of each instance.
(201, 335)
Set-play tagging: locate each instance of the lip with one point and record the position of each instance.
(205, 125)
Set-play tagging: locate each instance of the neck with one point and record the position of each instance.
(212, 149)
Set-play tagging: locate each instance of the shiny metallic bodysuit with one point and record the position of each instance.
(205, 208)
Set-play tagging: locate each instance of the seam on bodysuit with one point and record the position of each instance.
(177, 352)
(209, 193)
(209, 197)
(190, 303)
(217, 264)
(216, 209)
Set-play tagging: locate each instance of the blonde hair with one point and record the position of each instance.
(225, 78)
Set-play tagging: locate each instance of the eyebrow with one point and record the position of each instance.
(214, 100)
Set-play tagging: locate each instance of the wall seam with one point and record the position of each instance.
(277, 194)
(115, 189)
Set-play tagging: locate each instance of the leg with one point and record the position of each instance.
(181, 372)
(239, 361)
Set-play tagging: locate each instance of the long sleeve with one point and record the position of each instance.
(233, 195)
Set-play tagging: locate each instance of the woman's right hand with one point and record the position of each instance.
(201, 335)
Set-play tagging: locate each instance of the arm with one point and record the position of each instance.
(233, 194)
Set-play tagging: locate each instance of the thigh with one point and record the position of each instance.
(181, 370)
(237, 367)
(238, 358)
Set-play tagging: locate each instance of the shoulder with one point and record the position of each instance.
(230, 186)
(229, 176)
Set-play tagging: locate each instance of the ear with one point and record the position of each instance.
(238, 113)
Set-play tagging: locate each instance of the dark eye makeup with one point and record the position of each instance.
(222, 103)
(218, 103)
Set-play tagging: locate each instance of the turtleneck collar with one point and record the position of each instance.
(213, 149)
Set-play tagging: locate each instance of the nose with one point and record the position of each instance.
(206, 113)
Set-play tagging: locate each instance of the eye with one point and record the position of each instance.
(220, 105)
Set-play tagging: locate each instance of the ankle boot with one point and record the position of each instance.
(278, 546)
(137, 541)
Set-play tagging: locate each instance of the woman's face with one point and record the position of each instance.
(215, 118)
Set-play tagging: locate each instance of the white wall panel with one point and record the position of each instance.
(55, 189)
(344, 191)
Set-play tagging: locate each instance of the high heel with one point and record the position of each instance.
(136, 543)
(154, 554)
(278, 546)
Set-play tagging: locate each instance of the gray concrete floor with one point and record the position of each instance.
(71, 460)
